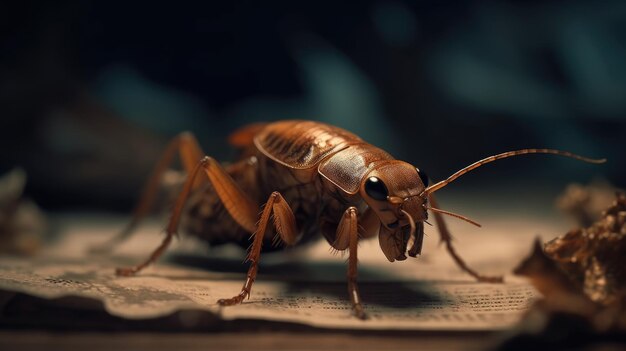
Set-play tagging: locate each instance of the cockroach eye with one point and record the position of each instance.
(376, 189)
(423, 177)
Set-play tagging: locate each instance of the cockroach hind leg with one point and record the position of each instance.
(188, 148)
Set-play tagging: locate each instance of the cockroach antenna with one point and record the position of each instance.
(454, 215)
(431, 189)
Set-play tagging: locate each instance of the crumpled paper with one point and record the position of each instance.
(582, 277)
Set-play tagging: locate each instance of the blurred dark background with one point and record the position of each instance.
(91, 91)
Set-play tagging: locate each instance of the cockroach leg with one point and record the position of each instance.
(285, 224)
(348, 229)
(243, 210)
(190, 153)
(240, 207)
(446, 237)
(129, 271)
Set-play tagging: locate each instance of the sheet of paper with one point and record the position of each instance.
(306, 285)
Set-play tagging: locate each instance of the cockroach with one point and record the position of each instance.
(305, 178)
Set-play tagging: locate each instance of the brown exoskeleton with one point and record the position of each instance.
(309, 177)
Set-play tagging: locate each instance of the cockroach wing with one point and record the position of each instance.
(347, 168)
(302, 144)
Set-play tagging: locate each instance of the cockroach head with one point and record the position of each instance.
(393, 190)
(394, 186)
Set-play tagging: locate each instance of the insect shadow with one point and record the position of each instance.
(325, 279)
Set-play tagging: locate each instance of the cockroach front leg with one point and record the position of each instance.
(285, 224)
(446, 237)
(236, 202)
(348, 238)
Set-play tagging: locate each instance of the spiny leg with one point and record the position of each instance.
(236, 202)
(186, 145)
(347, 238)
(285, 224)
(446, 237)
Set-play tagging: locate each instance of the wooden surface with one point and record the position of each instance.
(312, 340)
(30, 323)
